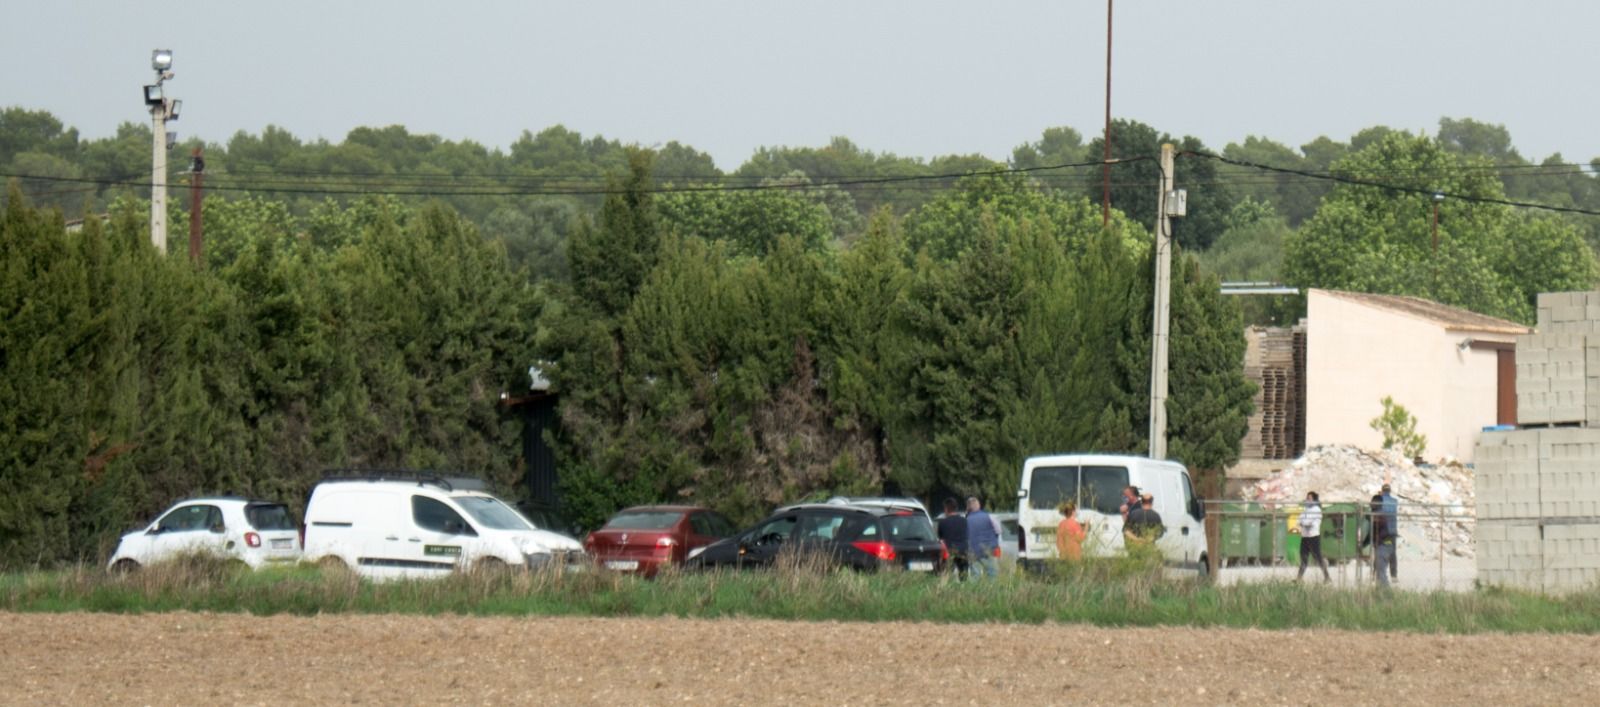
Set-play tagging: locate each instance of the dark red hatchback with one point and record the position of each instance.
(644, 538)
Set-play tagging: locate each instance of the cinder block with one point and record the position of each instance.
(1561, 581)
(1551, 300)
(1531, 354)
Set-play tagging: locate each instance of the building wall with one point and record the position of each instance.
(1356, 354)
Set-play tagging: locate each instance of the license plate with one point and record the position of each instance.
(283, 543)
(920, 566)
(624, 565)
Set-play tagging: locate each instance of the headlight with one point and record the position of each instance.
(696, 552)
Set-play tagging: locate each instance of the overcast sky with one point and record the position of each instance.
(915, 78)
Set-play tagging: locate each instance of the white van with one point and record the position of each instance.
(1096, 481)
(385, 526)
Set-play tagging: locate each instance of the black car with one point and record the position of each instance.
(860, 537)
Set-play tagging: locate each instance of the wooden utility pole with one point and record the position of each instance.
(197, 173)
(1163, 309)
(1105, 166)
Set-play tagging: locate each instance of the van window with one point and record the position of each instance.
(430, 514)
(1102, 488)
(1051, 485)
(1189, 505)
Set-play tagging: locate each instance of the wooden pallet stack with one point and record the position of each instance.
(1275, 427)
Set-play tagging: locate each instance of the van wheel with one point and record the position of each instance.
(492, 566)
(125, 566)
(332, 566)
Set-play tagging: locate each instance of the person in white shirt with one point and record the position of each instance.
(1311, 535)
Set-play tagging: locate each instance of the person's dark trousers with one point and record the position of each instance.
(1309, 547)
(1394, 561)
(958, 561)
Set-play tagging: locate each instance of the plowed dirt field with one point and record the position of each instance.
(234, 659)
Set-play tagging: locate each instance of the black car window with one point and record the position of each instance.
(773, 532)
(268, 516)
(1051, 485)
(909, 527)
(1102, 488)
(720, 526)
(819, 527)
(430, 514)
(710, 525)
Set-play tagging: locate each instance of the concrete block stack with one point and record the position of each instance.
(1538, 488)
(1558, 369)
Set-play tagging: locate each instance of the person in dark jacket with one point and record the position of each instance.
(1144, 524)
(953, 531)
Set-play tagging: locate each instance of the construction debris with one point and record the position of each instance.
(1436, 500)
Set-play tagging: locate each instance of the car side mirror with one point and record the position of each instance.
(154, 530)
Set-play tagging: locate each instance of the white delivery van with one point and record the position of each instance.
(1096, 481)
(390, 526)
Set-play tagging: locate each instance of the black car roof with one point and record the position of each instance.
(870, 510)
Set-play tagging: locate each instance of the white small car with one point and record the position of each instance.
(387, 525)
(257, 533)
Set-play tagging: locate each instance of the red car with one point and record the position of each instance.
(644, 538)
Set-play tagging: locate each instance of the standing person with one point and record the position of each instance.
(1070, 533)
(953, 531)
(983, 540)
(1130, 502)
(1382, 539)
(1391, 511)
(1311, 535)
(1144, 524)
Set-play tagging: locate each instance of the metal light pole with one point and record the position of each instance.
(162, 109)
(1105, 166)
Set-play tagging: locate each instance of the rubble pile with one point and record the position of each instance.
(1342, 473)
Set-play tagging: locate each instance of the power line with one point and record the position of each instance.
(509, 191)
(1396, 187)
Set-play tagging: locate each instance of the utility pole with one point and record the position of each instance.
(158, 181)
(197, 173)
(1105, 165)
(1169, 203)
(162, 109)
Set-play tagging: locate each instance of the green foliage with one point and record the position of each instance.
(131, 380)
(1489, 259)
(1134, 185)
(1399, 429)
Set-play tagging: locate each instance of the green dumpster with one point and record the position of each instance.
(1341, 531)
(1241, 531)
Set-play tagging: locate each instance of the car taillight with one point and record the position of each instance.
(876, 548)
(252, 539)
(944, 551)
(665, 542)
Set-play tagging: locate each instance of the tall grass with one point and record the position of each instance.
(1106, 593)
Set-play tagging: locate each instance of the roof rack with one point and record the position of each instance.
(420, 476)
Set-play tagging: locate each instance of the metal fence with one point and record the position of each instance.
(1253, 540)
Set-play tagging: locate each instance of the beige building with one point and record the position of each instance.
(1454, 370)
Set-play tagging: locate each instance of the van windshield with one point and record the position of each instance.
(1051, 485)
(490, 512)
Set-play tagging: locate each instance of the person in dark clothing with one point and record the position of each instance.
(953, 531)
(1144, 524)
(1130, 502)
(1381, 536)
(983, 540)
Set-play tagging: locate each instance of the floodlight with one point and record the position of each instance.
(152, 94)
(161, 59)
(172, 114)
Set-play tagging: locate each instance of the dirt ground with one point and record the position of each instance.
(236, 659)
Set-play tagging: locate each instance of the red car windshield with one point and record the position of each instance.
(644, 520)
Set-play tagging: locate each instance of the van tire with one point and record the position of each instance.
(333, 566)
(125, 566)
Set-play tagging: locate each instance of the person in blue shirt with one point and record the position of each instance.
(983, 540)
(1391, 515)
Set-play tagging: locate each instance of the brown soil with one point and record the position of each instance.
(235, 659)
